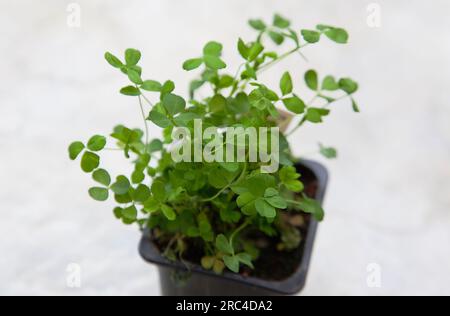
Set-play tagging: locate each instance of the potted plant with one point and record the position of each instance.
(221, 214)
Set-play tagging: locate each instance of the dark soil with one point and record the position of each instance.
(272, 265)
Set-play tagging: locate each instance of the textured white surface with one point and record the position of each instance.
(388, 201)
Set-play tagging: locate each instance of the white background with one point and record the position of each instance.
(388, 200)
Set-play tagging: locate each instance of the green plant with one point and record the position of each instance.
(210, 205)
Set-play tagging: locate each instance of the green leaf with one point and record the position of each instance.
(113, 60)
(130, 213)
(167, 87)
(250, 72)
(214, 62)
(218, 103)
(323, 27)
(159, 119)
(118, 212)
(132, 56)
(294, 104)
(232, 263)
(130, 91)
(310, 36)
(240, 103)
(99, 194)
(337, 35)
(192, 64)
(245, 199)
(151, 205)
(355, 106)
(286, 84)
(230, 166)
(277, 202)
(89, 162)
(313, 207)
(328, 152)
(293, 35)
(213, 49)
(271, 192)
(168, 212)
(243, 49)
(96, 143)
(134, 76)
(223, 245)
(262, 98)
(312, 80)
(348, 85)
(151, 85)
(226, 81)
(258, 25)
(121, 186)
(159, 191)
(276, 37)
(289, 177)
(255, 50)
(329, 83)
(123, 199)
(246, 259)
(193, 232)
(155, 146)
(314, 115)
(137, 176)
(173, 104)
(141, 194)
(265, 209)
(75, 150)
(102, 176)
(229, 216)
(185, 118)
(281, 22)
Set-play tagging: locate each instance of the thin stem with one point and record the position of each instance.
(171, 242)
(244, 170)
(236, 84)
(145, 123)
(147, 100)
(238, 230)
(281, 57)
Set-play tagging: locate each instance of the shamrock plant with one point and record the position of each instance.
(214, 208)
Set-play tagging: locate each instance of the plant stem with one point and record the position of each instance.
(145, 123)
(281, 57)
(147, 100)
(238, 230)
(228, 185)
(171, 242)
(236, 84)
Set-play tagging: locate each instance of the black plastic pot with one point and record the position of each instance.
(207, 283)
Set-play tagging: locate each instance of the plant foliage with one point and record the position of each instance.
(215, 204)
